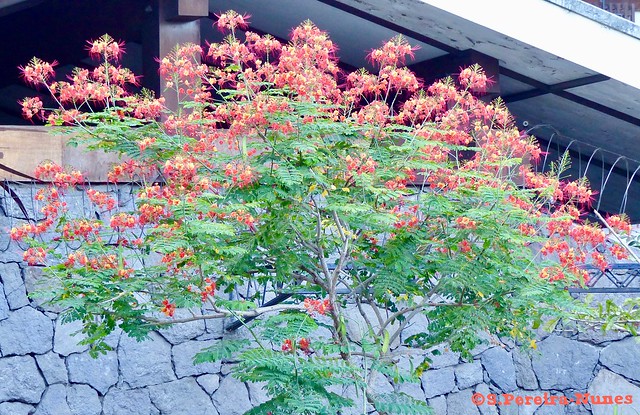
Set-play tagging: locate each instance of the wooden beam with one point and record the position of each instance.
(450, 65)
(23, 148)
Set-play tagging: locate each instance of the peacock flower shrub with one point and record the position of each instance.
(363, 196)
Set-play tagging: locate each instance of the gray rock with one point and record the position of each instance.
(596, 336)
(179, 333)
(185, 397)
(412, 389)
(53, 368)
(499, 365)
(484, 408)
(145, 363)
(67, 336)
(607, 383)
(444, 359)
(468, 374)
(83, 400)
(356, 398)
(54, 402)
(26, 331)
(226, 369)
(564, 364)
(618, 357)
(460, 403)
(438, 382)
(230, 386)
(20, 380)
(35, 281)
(113, 339)
(100, 373)
(4, 306)
(573, 409)
(439, 405)
(479, 349)
(525, 376)
(25, 193)
(417, 325)
(183, 359)
(15, 408)
(209, 382)
(258, 393)
(548, 410)
(357, 327)
(14, 290)
(512, 406)
(127, 402)
(378, 383)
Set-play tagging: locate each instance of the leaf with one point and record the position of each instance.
(211, 228)
(400, 404)
(224, 349)
(289, 176)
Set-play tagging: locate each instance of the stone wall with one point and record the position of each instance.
(43, 371)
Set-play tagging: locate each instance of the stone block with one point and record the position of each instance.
(183, 359)
(179, 333)
(525, 376)
(564, 364)
(173, 398)
(460, 403)
(438, 405)
(4, 306)
(230, 386)
(26, 331)
(609, 384)
(15, 408)
(145, 363)
(100, 373)
(67, 336)
(127, 402)
(258, 394)
(438, 382)
(618, 356)
(54, 402)
(14, 291)
(485, 409)
(468, 374)
(20, 379)
(511, 405)
(500, 368)
(209, 382)
(83, 400)
(53, 368)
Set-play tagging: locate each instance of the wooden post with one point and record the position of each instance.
(169, 23)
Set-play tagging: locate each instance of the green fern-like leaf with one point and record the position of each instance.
(293, 325)
(211, 228)
(224, 349)
(400, 404)
(289, 176)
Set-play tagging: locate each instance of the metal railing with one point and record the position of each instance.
(624, 10)
(622, 277)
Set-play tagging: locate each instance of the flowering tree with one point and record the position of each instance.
(344, 194)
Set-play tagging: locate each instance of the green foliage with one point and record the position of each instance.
(222, 350)
(400, 404)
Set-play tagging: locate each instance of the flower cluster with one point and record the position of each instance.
(320, 307)
(288, 346)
